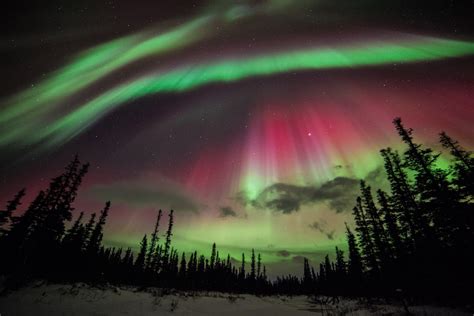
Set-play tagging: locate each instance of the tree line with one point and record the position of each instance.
(38, 244)
(417, 238)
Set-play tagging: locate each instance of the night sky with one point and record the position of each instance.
(253, 120)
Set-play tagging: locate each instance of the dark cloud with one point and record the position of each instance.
(321, 227)
(283, 253)
(164, 195)
(241, 198)
(339, 193)
(227, 211)
(378, 178)
(298, 259)
(285, 205)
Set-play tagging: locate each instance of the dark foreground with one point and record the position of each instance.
(81, 299)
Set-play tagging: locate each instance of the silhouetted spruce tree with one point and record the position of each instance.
(201, 265)
(322, 276)
(59, 197)
(6, 215)
(153, 241)
(354, 267)
(73, 239)
(213, 256)
(169, 233)
(410, 216)
(259, 265)
(431, 184)
(463, 166)
(252, 265)
(365, 237)
(140, 261)
(182, 267)
(95, 238)
(88, 231)
(17, 240)
(242, 268)
(462, 172)
(328, 268)
(375, 225)
(393, 230)
(307, 277)
(340, 262)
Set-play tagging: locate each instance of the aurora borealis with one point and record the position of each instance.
(253, 120)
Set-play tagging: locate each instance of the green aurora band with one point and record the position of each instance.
(30, 112)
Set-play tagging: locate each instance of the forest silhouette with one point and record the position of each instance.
(417, 240)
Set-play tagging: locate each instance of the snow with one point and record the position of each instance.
(82, 299)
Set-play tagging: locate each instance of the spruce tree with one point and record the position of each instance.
(408, 212)
(391, 222)
(340, 262)
(242, 269)
(213, 256)
(153, 241)
(432, 186)
(6, 215)
(355, 267)
(24, 226)
(73, 232)
(307, 278)
(463, 168)
(365, 237)
(375, 225)
(182, 267)
(259, 265)
(88, 231)
(169, 233)
(140, 261)
(252, 266)
(95, 239)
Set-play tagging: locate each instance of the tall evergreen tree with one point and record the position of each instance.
(213, 256)
(59, 198)
(88, 231)
(355, 266)
(413, 223)
(23, 226)
(95, 239)
(431, 182)
(169, 233)
(340, 262)
(6, 215)
(252, 266)
(259, 265)
(375, 225)
(242, 269)
(73, 232)
(463, 168)
(307, 278)
(365, 237)
(391, 222)
(140, 261)
(182, 267)
(153, 241)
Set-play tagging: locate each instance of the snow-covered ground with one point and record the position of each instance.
(81, 299)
